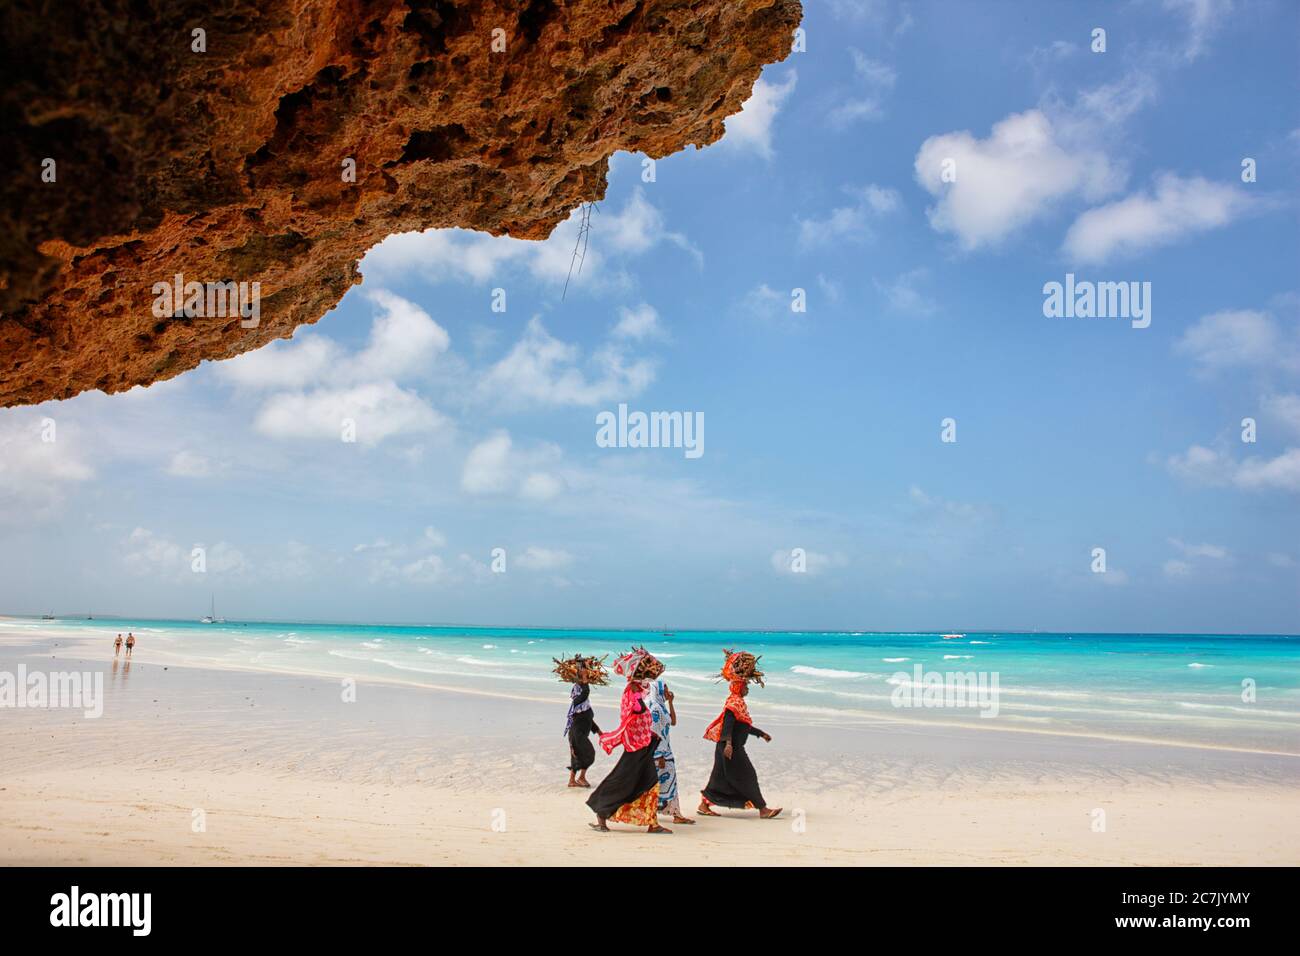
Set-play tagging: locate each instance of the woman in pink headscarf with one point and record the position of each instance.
(630, 794)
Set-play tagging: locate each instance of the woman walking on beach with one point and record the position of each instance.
(630, 794)
(663, 717)
(734, 782)
(117, 646)
(580, 724)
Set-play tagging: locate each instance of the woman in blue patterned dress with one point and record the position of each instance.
(663, 717)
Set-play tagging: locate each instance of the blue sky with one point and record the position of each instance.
(476, 428)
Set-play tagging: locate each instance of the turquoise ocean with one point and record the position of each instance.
(1237, 691)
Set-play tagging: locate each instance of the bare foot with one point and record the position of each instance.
(769, 813)
(574, 783)
(658, 829)
(678, 818)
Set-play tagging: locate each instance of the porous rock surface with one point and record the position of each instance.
(228, 164)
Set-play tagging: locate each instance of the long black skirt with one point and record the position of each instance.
(633, 775)
(582, 753)
(734, 782)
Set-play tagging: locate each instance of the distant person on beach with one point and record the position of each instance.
(117, 646)
(734, 782)
(630, 794)
(130, 643)
(663, 717)
(579, 726)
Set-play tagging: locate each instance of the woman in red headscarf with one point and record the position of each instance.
(734, 782)
(630, 794)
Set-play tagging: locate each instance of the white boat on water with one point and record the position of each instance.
(211, 617)
(952, 637)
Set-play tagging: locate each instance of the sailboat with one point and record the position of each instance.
(212, 614)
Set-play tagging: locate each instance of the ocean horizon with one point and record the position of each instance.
(1230, 691)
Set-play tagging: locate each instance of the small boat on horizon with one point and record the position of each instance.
(952, 637)
(211, 617)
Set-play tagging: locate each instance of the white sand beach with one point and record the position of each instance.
(196, 765)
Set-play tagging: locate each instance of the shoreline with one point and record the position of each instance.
(785, 716)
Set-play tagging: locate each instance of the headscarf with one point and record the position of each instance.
(626, 665)
(575, 708)
(633, 731)
(639, 664)
(735, 702)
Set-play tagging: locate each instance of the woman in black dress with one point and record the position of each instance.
(734, 782)
(630, 794)
(581, 725)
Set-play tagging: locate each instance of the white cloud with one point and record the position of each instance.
(544, 559)
(1054, 52)
(429, 569)
(904, 295)
(1111, 577)
(814, 562)
(378, 411)
(457, 255)
(638, 323)
(1201, 465)
(34, 472)
(1241, 338)
(486, 470)
(495, 467)
(1264, 474)
(1179, 207)
(1215, 551)
(766, 303)
(541, 486)
(875, 80)
(1204, 18)
(145, 553)
(149, 554)
(542, 370)
(189, 464)
(933, 505)
(1206, 466)
(1014, 176)
(282, 364)
(404, 340)
(316, 385)
(1191, 556)
(751, 128)
(1104, 107)
(850, 222)
(1284, 409)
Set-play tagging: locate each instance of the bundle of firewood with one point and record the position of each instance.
(745, 667)
(649, 668)
(568, 669)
